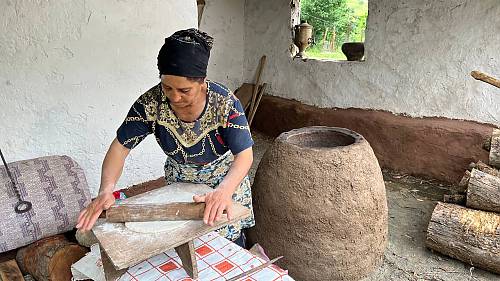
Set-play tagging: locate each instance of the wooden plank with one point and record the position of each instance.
(494, 158)
(9, 271)
(126, 248)
(156, 212)
(468, 235)
(483, 191)
(188, 257)
(244, 94)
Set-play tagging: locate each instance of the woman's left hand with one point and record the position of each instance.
(215, 203)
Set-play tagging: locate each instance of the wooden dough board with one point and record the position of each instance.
(126, 248)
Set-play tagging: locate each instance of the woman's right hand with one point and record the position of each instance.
(91, 213)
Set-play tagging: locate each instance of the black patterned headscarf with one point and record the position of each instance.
(185, 53)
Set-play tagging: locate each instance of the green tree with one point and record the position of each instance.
(345, 18)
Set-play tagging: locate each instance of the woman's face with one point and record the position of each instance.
(182, 92)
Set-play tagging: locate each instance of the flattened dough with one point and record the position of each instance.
(161, 226)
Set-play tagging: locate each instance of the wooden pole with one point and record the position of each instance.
(478, 75)
(262, 63)
(260, 94)
(156, 212)
(201, 7)
(468, 235)
(483, 191)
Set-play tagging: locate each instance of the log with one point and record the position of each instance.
(464, 182)
(50, 258)
(454, 198)
(483, 167)
(468, 235)
(487, 144)
(483, 192)
(494, 158)
(9, 271)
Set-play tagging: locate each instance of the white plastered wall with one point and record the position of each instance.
(224, 20)
(69, 72)
(418, 58)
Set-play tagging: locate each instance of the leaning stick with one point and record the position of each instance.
(485, 78)
(257, 102)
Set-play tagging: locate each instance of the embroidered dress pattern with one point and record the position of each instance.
(197, 152)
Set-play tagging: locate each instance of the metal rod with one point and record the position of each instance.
(253, 270)
(7, 168)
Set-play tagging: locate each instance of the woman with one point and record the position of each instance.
(199, 124)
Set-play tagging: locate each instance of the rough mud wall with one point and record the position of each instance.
(431, 147)
(223, 19)
(418, 58)
(70, 70)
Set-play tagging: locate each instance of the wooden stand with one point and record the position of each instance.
(468, 235)
(188, 258)
(50, 258)
(483, 192)
(126, 248)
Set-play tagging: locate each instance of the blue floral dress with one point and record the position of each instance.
(197, 152)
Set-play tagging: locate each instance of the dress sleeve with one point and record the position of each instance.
(135, 127)
(237, 135)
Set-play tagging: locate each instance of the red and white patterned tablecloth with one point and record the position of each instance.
(217, 259)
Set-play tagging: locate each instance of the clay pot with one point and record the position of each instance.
(319, 200)
(354, 51)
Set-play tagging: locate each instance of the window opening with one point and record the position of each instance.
(338, 25)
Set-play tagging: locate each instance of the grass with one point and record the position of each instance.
(317, 53)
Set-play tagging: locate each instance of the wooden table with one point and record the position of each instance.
(126, 248)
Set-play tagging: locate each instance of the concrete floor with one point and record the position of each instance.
(411, 202)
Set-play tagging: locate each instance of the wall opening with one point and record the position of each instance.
(334, 23)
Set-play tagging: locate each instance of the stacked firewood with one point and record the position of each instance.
(467, 225)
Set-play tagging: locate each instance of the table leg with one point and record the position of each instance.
(188, 258)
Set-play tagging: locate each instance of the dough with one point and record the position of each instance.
(161, 226)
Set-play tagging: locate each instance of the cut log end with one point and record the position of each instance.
(483, 191)
(468, 235)
(50, 258)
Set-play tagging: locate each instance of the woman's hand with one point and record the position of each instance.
(215, 203)
(89, 215)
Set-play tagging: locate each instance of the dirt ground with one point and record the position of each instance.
(411, 202)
